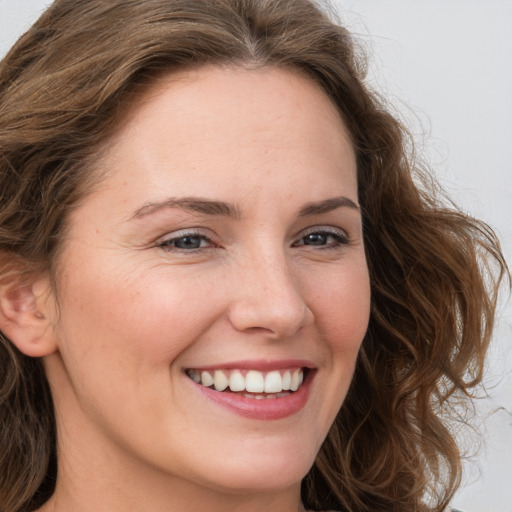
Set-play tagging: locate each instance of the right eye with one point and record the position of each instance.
(187, 242)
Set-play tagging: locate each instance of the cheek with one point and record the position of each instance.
(121, 335)
(131, 316)
(342, 309)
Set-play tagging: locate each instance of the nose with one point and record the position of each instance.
(269, 298)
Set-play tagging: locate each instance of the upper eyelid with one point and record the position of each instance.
(180, 233)
(323, 229)
(164, 242)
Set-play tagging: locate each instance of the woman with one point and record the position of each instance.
(224, 282)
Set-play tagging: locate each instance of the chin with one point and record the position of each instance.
(266, 469)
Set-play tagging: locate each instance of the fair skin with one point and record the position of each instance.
(225, 236)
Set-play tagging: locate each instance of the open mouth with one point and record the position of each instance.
(251, 383)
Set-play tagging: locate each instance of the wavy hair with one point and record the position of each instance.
(434, 270)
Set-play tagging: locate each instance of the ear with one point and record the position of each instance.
(25, 316)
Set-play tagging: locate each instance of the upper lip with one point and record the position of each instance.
(262, 365)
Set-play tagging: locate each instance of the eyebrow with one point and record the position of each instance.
(194, 204)
(327, 205)
(221, 208)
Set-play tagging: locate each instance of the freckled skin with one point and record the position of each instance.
(136, 311)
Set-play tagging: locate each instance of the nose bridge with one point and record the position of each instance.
(269, 295)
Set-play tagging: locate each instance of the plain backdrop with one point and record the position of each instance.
(446, 66)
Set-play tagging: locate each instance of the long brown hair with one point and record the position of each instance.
(434, 270)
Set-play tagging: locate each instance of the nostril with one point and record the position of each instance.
(267, 298)
(269, 319)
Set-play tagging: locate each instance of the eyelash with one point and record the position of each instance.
(339, 236)
(340, 239)
(168, 244)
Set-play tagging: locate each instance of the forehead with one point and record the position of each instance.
(200, 97)
(214, 121)
(232, 85)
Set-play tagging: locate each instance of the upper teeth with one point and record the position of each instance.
(251, 381)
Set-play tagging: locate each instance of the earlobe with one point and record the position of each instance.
(25, 317)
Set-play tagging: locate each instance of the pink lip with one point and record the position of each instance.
(264, 409)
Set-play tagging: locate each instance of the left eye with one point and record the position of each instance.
(187, 242)
(323, 239)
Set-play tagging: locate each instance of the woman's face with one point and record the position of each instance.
(224, 244)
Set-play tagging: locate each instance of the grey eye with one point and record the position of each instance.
(185, 242)
(316, 239)
(323, 239)
(188, 242)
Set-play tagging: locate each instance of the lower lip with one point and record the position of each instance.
(264, 409)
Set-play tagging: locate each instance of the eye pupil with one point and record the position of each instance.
(188, 242)
(315, 239)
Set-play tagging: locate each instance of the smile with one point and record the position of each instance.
(251, 383)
